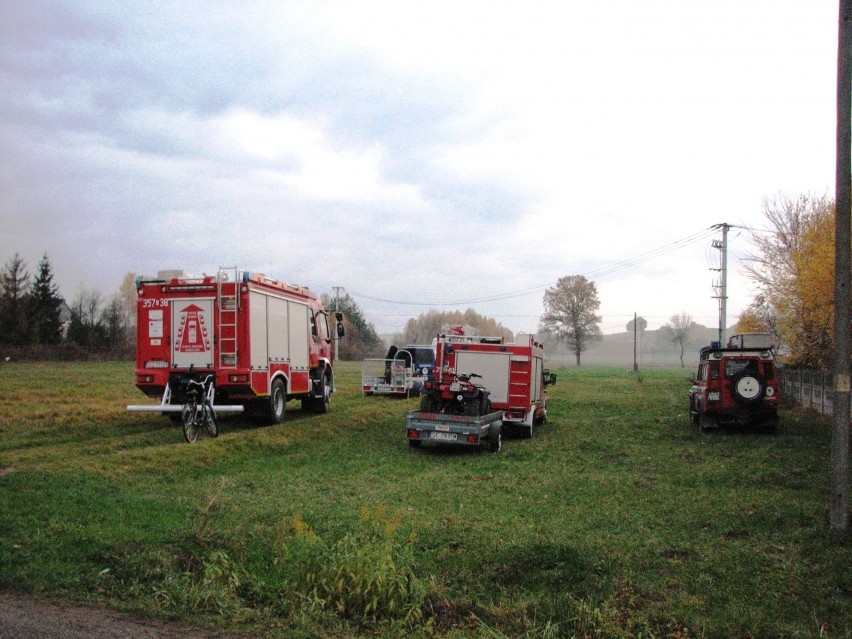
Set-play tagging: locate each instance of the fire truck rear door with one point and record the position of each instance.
(192, 333)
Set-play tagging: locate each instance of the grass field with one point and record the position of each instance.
(617, 519)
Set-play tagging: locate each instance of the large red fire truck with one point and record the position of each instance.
(475, 378)
(263, 340)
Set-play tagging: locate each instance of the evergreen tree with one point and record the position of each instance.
(45, 307)
(361, 339)
(14, 281)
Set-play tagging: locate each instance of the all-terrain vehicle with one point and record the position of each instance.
(455, 394)
(736, 384)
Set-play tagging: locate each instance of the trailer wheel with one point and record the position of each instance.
(495, 437)
(275, 406)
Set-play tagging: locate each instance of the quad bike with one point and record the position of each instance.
(455, 394)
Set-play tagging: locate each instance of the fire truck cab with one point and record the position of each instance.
(264, 341)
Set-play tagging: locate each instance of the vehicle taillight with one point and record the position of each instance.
(413, 433)
(472, 439)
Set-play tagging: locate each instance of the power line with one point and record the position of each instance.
(606, 270)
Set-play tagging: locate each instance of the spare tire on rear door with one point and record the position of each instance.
(748, 387)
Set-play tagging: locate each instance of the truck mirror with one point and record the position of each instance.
(338, 316)
(340, 330)
(691, 377)
(548, 377)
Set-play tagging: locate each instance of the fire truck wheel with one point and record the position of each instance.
(322, 404)
(276, 405)
(495, 437)
(693, 412)
(527, 431)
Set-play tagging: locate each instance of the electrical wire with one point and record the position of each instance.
(597, 273)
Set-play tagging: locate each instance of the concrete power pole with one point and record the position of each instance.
(723, 280)
(839, 515)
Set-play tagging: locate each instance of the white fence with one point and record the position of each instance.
(811, 389)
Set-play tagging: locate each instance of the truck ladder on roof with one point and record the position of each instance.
(228, 316)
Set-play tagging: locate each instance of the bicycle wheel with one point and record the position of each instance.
(210, 421)
(190, 423)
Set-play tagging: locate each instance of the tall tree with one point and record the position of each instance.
(793, 268)
(45, 306)
(14, 297)
(678, 330)
(569, 313)
(361, 340)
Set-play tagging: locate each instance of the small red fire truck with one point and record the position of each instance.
(510, 380)
(264, 341)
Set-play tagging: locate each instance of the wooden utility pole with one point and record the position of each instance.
(839, 515)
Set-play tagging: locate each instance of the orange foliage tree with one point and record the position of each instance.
(794, 269)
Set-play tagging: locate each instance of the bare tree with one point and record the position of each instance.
(569, 313)
(677, 331)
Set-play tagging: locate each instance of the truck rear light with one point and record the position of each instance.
(144, 379)
(413, 433)
(472, 439)
(238, 379)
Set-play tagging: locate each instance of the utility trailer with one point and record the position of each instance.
(461, 430)
(401, 373)
(264, 341)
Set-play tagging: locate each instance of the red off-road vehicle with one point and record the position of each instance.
(736, 384)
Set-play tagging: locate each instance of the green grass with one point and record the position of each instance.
(617, 519)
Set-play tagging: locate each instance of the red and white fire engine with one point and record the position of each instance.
(264, 341)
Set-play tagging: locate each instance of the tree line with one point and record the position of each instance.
(37, 322)
(792, 266)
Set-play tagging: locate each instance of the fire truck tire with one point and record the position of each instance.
(323, 403)
(693, 412)
(275, 407)
(527, 431)
(495, 437)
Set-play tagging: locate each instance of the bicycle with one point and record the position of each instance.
(197, 413)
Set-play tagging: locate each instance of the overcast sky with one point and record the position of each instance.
(422, 155)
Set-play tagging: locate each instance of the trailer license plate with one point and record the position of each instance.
(447, 437)
(455, 387)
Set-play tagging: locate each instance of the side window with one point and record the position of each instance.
(321, 320)
(702, 372)
(714, 370)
